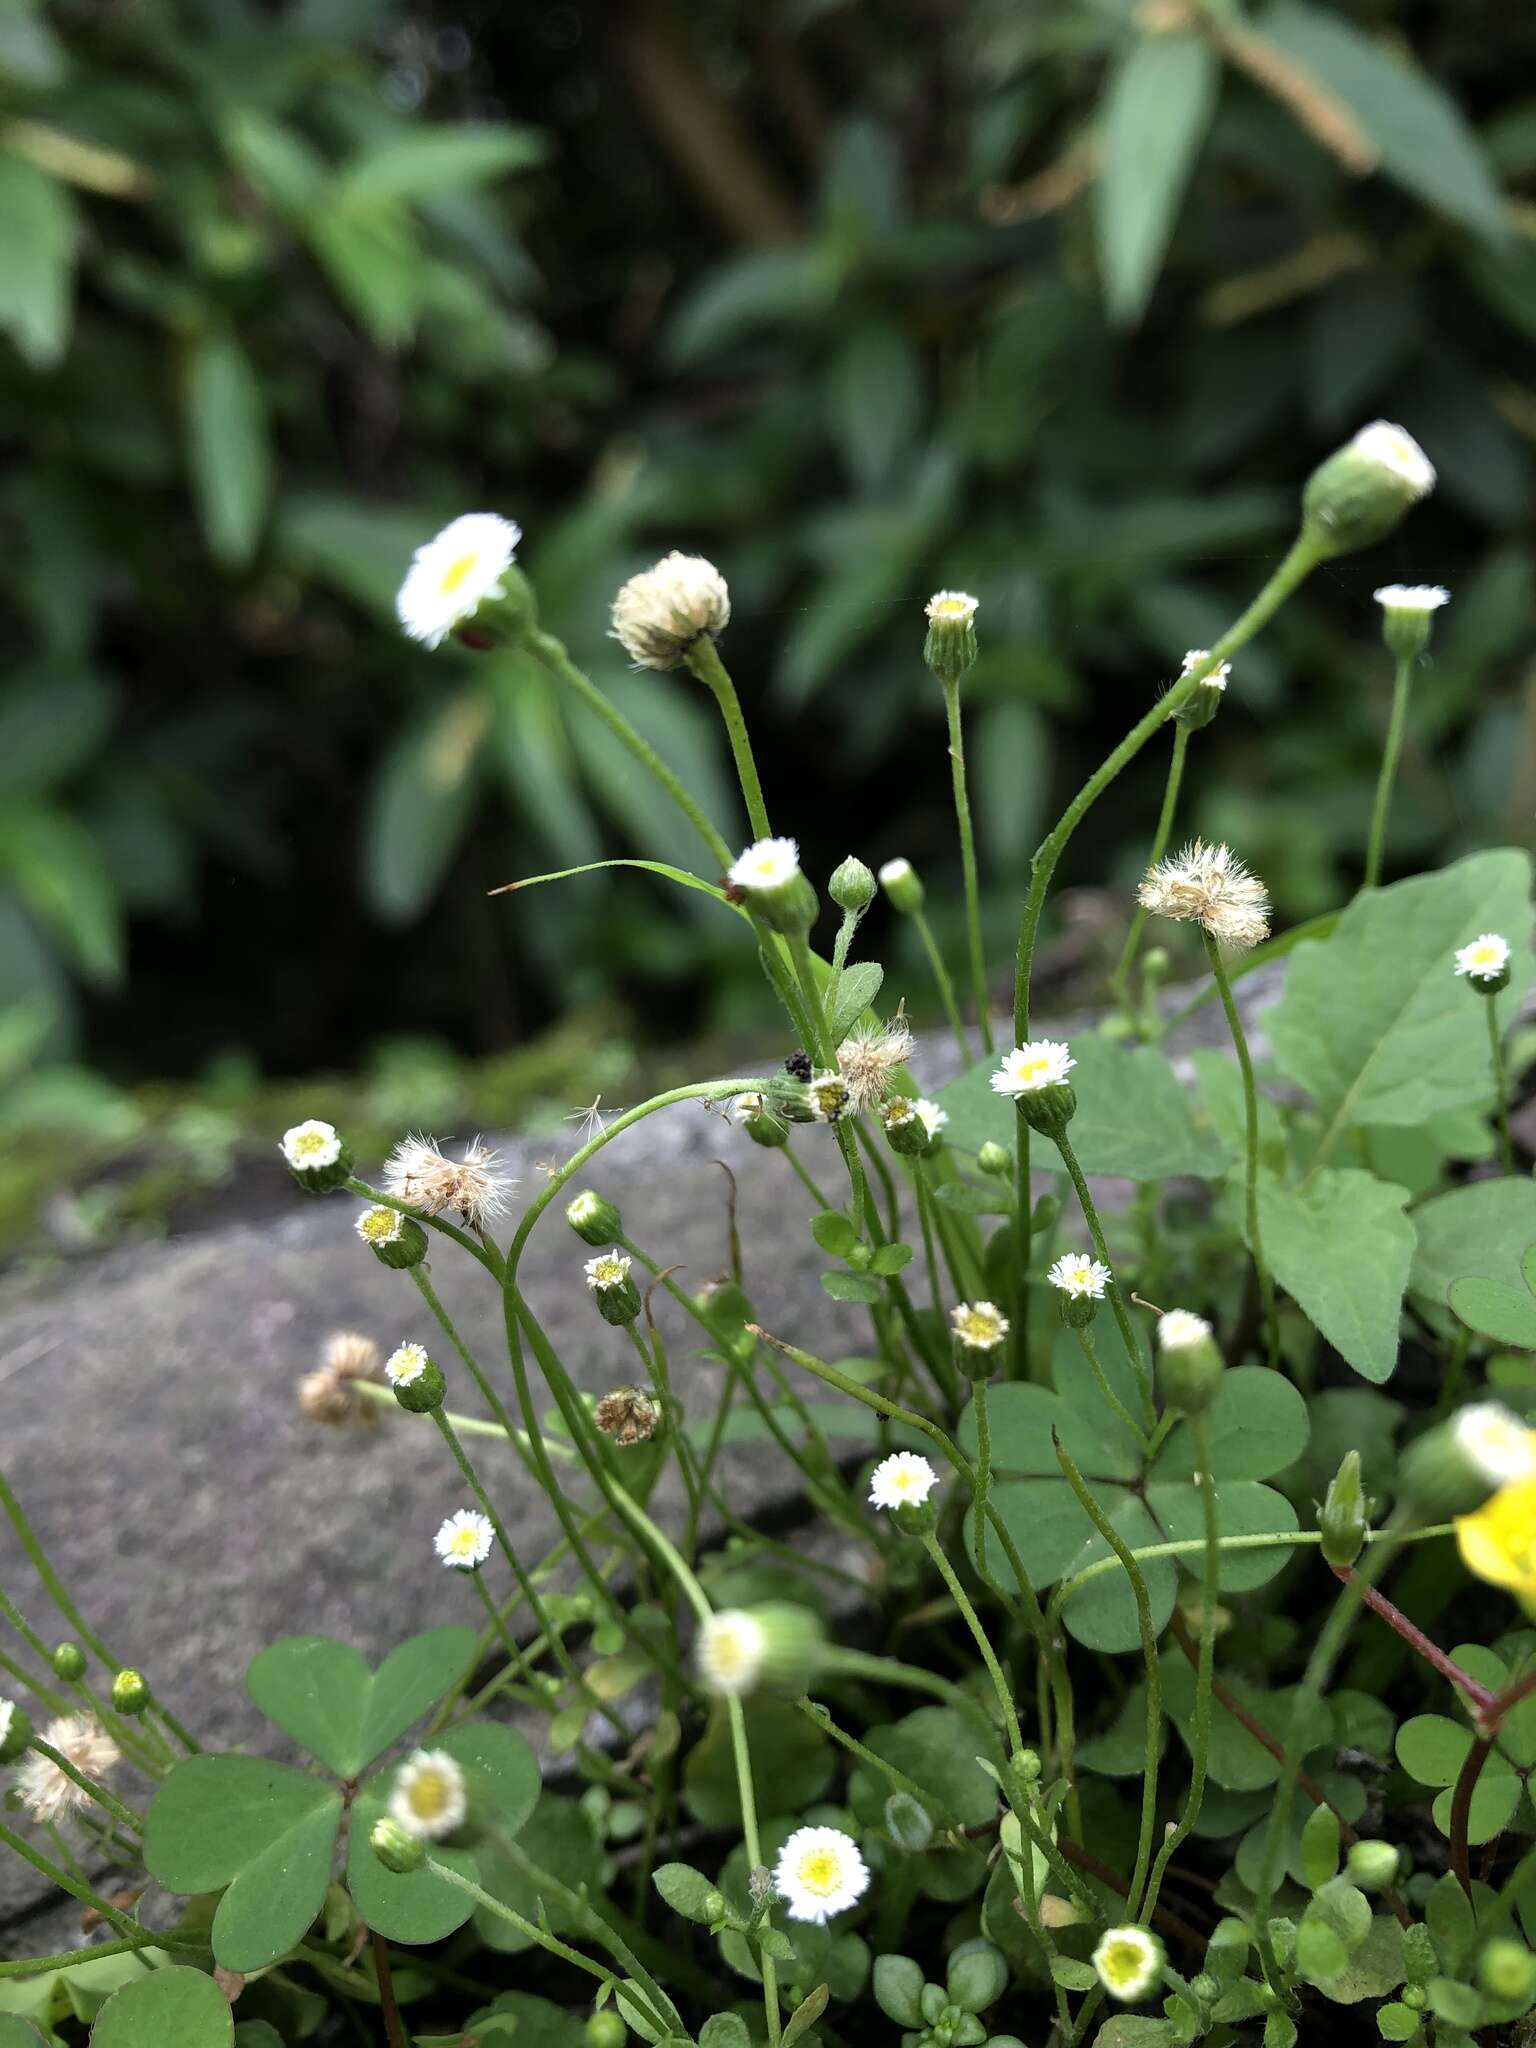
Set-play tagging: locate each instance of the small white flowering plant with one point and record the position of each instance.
(1106, 1689)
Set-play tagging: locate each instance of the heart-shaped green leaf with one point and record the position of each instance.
(503, 1778)
(1495, 1309)
(174, 2008)
(323, 1694)
(18, 2033)
(262, 1833)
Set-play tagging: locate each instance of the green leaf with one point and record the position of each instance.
(52, 720)
(37, 276)
(1135, 2030)
(519, 2019)
(890, 1259)
(1411, 1039)
(792, 1764)
(805, 2015)
(264, 1831)
(19, 2033)
(1021, 1419)
(1157, 110)
(1238, 1761)
(171, 2008)
(856, 990)
(652, 867)
(227, 446)
(372, 254)
(1477, 1232)
(834, 1232)
(1341, 1246)
(559, 1837)
(685, 1890)
(1133, 1119)
(1320, 1846)
(323, 1694)
(1432, 1748)
(418, 1907)
(874, 397)
(1243, 1508)
(853, 1287)
(59, 870)
(940, 1750)
(729, 2029)
(1422, 137)
(1506, 1314)
(1257, 1426)
(419, 806)
(418, 162)
(970, 1198)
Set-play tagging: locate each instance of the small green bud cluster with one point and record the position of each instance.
(943, 2015)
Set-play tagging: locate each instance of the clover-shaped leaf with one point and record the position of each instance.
(262, 1833)
(323, 1694)
(1432, 1749)
(170, 2008)
(502, 1775)
(1498, 1310)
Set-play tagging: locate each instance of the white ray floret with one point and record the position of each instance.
(820, 1872)
(1076, 1274)
(454, 573)
(904, 1479)
(464, 1540)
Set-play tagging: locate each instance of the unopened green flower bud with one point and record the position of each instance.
(1342, 1517)
(69, 1663)
(616, 1295)
(1026, 1766)
(903, 888)
(1208, 695)
(1363, 491)
(130, 1692)
(395, 1848)
(1372, 1865)
(605, 2029)
(767, 879)
(908, 1823)
(594, 1218)
(396, 1240)
(1189, 1366)
(1045, 1215)
(416, 1378)
(852, 886)
(15, 1731)
(1407, 613)
(903, 1126)
(950, 648)
(1506, 1969)
(1155, 964)
(317, 1156)
(761, 1124)
(1455, 1467)
(995, 1159)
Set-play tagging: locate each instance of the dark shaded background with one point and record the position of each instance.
(1058, 303)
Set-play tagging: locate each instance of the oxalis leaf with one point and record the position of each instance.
(323, 1694)
(1341, 1246)
(1375, 1023)
(172, 2008)
(264, 1831)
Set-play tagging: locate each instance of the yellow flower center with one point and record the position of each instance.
(381, 1225)
(429, 1795)
(1033, 1070)
(310, 1142)
(951, 608)
(1122, 1962)
(977, 1328)
(820, 1872)
(1484, 956)
(465, 1542)
(453, 576)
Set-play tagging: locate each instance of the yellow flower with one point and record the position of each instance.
(1498, 1543)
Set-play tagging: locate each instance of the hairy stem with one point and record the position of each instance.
(968, 861)
(1250, 1148)
(1397, 725)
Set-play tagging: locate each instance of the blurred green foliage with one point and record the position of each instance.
(1056, 303)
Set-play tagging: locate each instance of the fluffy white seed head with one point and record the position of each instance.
(820, 1872)
(869, 1058)
(1078, 1275)
(419, 1173)
(1042, 1063)
(902, 1480)
(659, 614)
(730, 1652)
(464, 1541)
(454, 573)
(429, 1799)
(48, 1793)
(1209, 886)
(1485, 958)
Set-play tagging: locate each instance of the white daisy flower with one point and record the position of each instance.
(659, 614)
(1179, 1327)
(1042, 1063)
(608, 1269)
(766, 864)
(1129, 1962)
(429, 1799)
(1078, 1275)
(730, 1652)
(406, 1365)
(1412, 597)
(464, 1540)
(312, 1144)
(820, 1872)
(932, 1117)
(44, 1790)
(953, 607)
(979, 1324)
(1394, 449)
(452, 575)
(1497, 1442)
(902, 1480)
(1219, 676)
(1484, 958)
(379, 1225)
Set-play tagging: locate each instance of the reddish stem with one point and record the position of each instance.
(1461, 1809)
(1482, 1699)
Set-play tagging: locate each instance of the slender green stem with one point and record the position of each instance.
(1116, 1300)
(891, 1671)
(821, 1717)
(805, 1179)
(517, 1656)
(1397, 726)
(821, 1046)
(983, 1472)
(1120, 980)
(943, 983)
(1200, 1748)
(467, 1425)
(1133, 1572)
(1190, 1546)
(1250, 1148)
(487, 1392)
(1112, 1400)
(83, 1892)
(40, 1966)
(983, 1643)
(609, 1925)
(474, 1246)
(1298, 564)
(703, 660)
(968, 861)
(55, 1702)
(1500, 1084)
(559, 663)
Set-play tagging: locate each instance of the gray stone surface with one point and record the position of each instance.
(152, 1433)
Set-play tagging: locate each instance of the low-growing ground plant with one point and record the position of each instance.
(1112, 1733)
